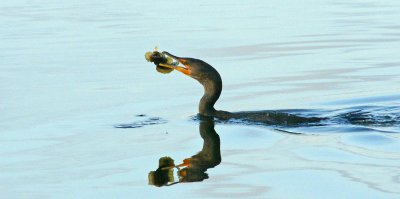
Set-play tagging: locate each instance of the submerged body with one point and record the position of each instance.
(211, 80)
(267, 117)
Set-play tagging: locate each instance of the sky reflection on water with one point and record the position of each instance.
(70, 71)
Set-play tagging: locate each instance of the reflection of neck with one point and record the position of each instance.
(208, 157)
(212, 91)
(210, 154)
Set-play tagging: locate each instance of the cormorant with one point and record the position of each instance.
(209, 77)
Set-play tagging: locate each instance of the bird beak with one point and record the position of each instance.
(186, 163)
(185, 70)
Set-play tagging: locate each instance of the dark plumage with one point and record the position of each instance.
(212, 83)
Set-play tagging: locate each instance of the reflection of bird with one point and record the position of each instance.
(208, 157)
(196, 166)
(212, 83)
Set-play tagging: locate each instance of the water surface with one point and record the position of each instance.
(71, 71)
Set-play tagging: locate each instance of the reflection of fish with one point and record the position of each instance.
(162, 176)
(196, 166)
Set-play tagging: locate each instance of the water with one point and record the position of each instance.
(71, 71)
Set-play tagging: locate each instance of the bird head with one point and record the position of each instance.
(196, 68)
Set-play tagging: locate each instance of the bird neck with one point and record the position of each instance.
(212, 91)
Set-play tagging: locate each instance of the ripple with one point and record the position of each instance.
(365, 100)
(147, 121)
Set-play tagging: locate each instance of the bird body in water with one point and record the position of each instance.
(211, 80)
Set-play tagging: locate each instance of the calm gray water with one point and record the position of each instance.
(70, 71)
